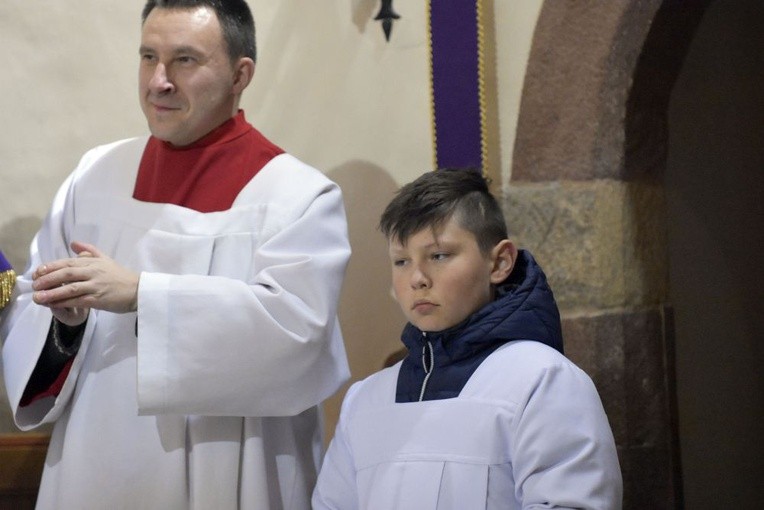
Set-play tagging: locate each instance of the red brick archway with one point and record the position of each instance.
(585, 194)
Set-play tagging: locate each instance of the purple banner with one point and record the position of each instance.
(456, 83)
(4, 264)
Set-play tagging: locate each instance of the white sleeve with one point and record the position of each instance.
(336, 486)
(25, 325)
(564, 454)
(218, 346)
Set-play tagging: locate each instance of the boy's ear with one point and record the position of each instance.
(503, 256)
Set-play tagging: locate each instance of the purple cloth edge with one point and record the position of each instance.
(4, 264)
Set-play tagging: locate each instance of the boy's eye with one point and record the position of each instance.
(147, 57)
(399, 262)
(185, 59)
(440, 256)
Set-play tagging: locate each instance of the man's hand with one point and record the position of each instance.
(70, 287)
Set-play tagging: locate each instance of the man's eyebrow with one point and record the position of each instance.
(187, 49)
(175, 51)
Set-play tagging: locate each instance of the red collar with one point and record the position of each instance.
(207, 175)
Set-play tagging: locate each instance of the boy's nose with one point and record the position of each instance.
(419, 279)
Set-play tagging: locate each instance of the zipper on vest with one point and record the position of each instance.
(428, 363)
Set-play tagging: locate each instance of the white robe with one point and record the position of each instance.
(527, 431)
(214, 405)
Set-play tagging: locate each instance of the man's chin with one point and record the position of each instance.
(168, 137)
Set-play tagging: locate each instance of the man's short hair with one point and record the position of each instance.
(235, 19)
(435, 197)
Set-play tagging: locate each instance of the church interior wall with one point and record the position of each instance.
(714, 183)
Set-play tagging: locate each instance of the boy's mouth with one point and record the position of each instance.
(423, 306)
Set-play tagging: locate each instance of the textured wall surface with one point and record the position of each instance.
(714, 184)
(650, 231)
(600, 232)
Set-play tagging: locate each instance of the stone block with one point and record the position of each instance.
(601, 243)
(629, 355)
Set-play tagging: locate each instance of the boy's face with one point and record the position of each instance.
(440, 278)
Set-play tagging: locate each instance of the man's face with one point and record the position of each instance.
(186, 79)
(440, 278)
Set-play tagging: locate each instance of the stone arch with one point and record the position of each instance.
(585, 195)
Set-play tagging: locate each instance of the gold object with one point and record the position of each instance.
(7, 281)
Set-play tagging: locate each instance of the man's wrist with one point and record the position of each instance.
(66, 339)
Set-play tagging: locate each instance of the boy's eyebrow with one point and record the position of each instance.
(396, 249)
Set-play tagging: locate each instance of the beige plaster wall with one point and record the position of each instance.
(327, 88)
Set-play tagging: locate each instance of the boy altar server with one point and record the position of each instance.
(485, 411)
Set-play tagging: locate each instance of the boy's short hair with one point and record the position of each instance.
(435, 197)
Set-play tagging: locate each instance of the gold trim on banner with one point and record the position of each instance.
(486, 164)
(432, 90)
(489, 100)
(7, 281)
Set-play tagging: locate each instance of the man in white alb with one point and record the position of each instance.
(178, 318)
